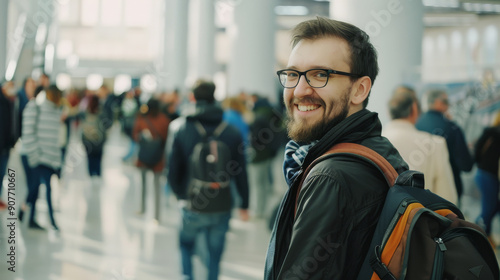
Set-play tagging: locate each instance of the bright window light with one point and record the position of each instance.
(148, 83)
(138, 13)
(64, 48)
(122, 83)
(111, 12)
(90, 12)
(63, 81)
(94, 81)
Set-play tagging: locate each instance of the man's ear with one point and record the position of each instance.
(361, 89)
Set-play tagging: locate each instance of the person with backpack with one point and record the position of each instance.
(94, 124)
(265, 139)
(150, 131)
(203, 158)
(323, 230)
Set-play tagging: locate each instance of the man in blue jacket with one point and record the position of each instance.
(436, 122)
(324, 231)
(182, 137)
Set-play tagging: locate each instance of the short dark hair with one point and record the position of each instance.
(433, 95)
(401, 102)
(363, 60)
(153, 107)
(204, 91)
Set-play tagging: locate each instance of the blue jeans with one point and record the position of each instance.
(213, 227)
(44, 173)
(4, 159)
(32, 181)
(488, 185)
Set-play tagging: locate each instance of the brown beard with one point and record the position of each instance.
(304, 132)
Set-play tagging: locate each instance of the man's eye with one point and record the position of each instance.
(292, 74)
(320, 74)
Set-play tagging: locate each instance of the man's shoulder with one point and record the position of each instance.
(178, 124)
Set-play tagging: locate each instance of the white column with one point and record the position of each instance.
(396, 30)
(252, 59)
(173, 70)
(4, 8)
(201, 47)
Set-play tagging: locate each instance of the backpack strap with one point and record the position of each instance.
(217, 131)
(390, 174)
(151, 126)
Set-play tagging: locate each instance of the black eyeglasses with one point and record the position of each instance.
(316, 78)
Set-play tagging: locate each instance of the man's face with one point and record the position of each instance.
(312, 110)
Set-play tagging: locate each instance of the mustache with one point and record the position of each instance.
(307, 99)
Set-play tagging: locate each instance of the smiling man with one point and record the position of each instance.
(323, 232)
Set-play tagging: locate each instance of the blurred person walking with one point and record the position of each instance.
(129, 109)
(266, 137)
(184, 135)
(151, 124)
(436, 122)
(422, 151)
(94, 122)
(236, 114)
(8, 127)
(40, 135)
(487, 157)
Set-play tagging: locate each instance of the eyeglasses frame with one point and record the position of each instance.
(329, 71)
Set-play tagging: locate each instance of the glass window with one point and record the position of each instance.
(90, 12)
(138, 13)
(111, 12)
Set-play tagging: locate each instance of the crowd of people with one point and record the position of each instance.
(246, 132)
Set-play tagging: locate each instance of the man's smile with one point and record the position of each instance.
(305, 108)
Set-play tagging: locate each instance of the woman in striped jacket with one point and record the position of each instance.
(40, 134)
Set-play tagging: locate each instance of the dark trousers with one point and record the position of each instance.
(44, 174)
(4, 159)
(32, 181)
(94, 164)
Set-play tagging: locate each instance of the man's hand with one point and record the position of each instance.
(244, 215)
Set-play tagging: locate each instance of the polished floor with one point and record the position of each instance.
(102, 237)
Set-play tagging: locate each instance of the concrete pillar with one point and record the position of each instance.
(201, 41)
(4, 8)
(396, 30)
(172, 74)
(252, 59)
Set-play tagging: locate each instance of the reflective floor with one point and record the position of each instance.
(102, 237)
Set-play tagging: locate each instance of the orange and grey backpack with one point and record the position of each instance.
(419, 234)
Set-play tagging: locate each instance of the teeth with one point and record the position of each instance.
(304, 108)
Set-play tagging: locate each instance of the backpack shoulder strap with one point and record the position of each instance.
(217, 131)
(151, 127)
(390, 174)
(200, 128)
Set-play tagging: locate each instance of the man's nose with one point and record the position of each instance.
(303, 88)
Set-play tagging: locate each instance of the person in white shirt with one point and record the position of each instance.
(422, 151)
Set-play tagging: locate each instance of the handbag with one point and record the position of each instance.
(150, 146)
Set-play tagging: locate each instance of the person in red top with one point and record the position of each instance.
(155, 124)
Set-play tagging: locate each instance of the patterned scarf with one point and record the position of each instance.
(295, 155)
